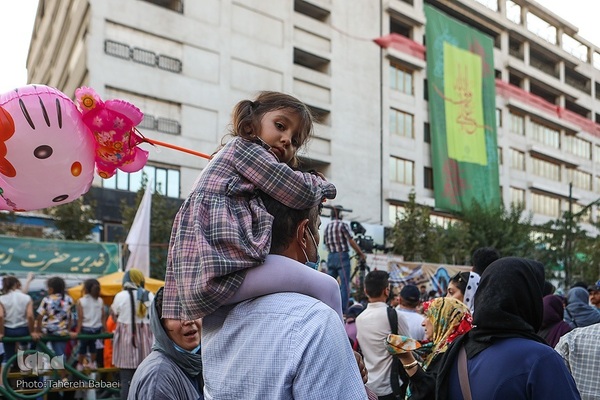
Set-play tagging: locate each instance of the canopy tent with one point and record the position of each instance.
(111, 284)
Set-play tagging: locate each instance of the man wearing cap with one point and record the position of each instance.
(594, 291)
(337, 236)
(409, 301)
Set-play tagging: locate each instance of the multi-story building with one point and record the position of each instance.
(359, 65)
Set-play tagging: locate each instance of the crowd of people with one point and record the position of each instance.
(245, 312)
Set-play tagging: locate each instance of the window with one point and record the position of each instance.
(597, 179)
(498, 118)
(441, 221)
(500, 159)
(585, 216)
(597, 153)
(175, 5)
(159, 115)
(401, 123)
(311, 10)
(517, 197)
(426, 133)
(142, 56)
(580, 179)
(395, 212)
(491, 4)
(513, 12)
(541, 28)
(165, 180)
(579, 147)
(546, 135)
(428, 178)
(517, 124)
(402, 171)
(401, 79)
(546, 169)
(546, 205)
(574, 47)
(517, 160)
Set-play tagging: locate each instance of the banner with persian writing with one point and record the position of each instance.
(462, 113)
(44, 256)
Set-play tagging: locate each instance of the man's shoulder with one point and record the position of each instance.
(589, 333)
(289, 303)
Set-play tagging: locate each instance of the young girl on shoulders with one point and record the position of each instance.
(90, 321)
(222, 230)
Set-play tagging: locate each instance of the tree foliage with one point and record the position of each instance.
(417, 239)
(568, 252)
(74, 220)
(162, 212)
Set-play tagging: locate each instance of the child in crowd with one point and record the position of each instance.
(91, 321)
(16, 314)
(54, 317)
(222, 230)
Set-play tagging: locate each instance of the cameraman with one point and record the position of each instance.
(337, 236)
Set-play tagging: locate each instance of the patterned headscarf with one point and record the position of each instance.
(450, 318)
(133, 280)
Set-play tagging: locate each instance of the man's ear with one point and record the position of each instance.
(300, 230)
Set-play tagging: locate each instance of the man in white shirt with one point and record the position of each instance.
(409, 301)
(373, 326)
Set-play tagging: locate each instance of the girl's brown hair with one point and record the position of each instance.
(92, 287)
(246, 116)
(10, 283)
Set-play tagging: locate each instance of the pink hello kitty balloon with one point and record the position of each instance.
(46, 151)
(113, 125)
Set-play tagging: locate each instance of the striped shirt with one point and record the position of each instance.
(223, 228)
(336, 237)
(580, 350)
(282, 346)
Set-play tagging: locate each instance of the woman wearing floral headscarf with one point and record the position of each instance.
(445, 319)
(132, 340)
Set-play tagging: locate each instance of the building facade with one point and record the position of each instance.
(361, 68)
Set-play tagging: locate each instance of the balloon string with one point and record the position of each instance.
(174, 147)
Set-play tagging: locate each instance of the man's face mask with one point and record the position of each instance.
(308, 263)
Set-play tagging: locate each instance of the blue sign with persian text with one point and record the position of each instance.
(20, 254)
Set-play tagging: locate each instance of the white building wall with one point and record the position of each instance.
(230, 49)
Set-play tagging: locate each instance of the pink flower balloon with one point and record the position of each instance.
(113, 125)
(46, 151)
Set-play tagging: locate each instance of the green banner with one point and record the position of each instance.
(462, 114)
(18, 254)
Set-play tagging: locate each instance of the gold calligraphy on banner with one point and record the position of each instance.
(54, 256)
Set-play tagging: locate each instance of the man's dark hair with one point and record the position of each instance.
(376, 282)
(285, 221)
(580, 284)
(482, 257)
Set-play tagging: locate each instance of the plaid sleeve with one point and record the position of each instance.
(295, 189)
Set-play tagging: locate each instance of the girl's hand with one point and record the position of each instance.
(361, 367)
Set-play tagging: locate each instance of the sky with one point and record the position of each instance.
(17, 17)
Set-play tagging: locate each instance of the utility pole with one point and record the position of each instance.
(568, 237)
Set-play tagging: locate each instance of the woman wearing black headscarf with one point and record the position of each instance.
(553, 326)
(505, 357)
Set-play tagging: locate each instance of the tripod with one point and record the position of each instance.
(361, 268)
